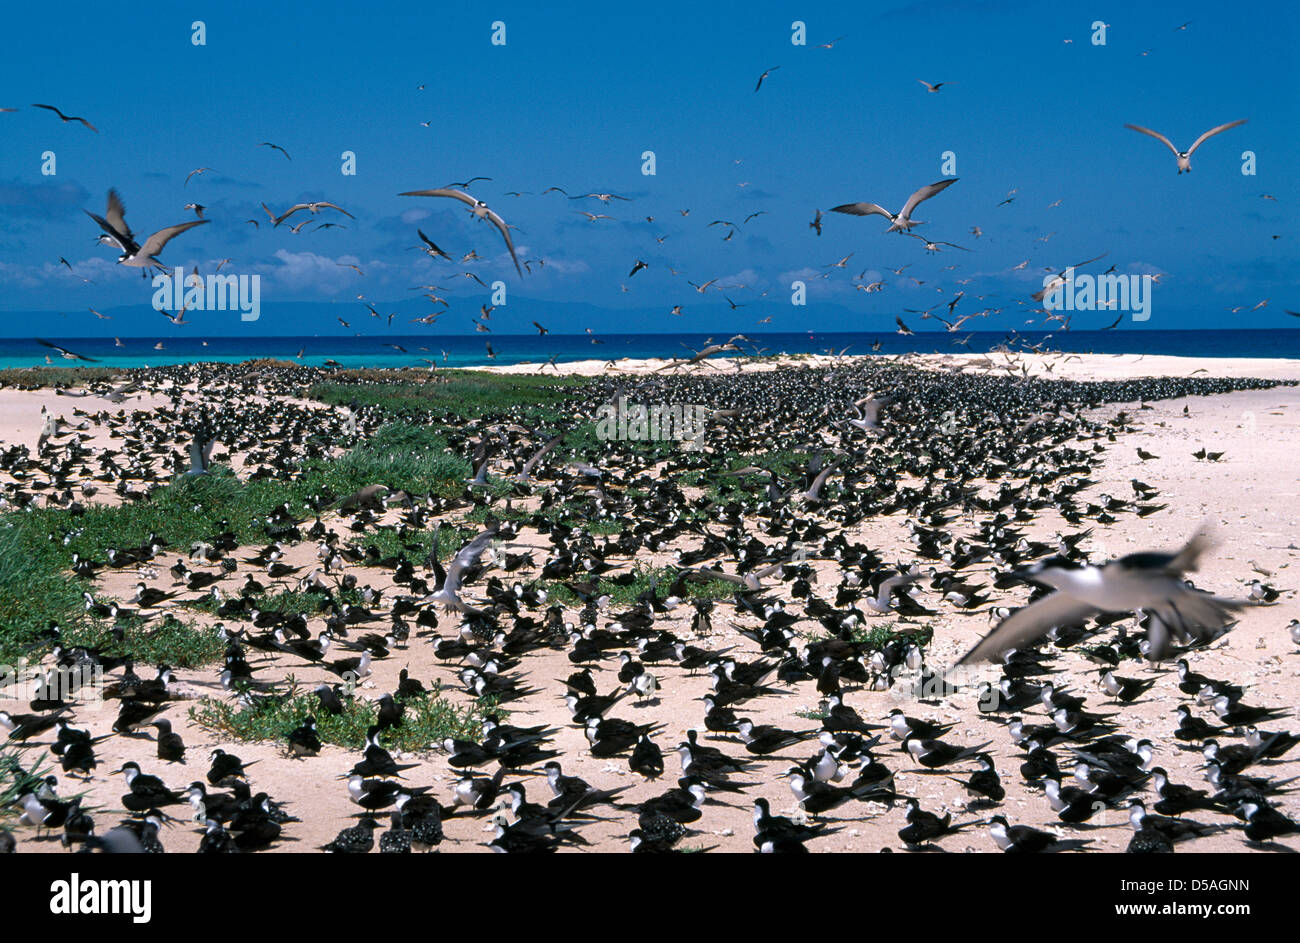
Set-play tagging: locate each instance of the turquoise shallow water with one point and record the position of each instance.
(465, 351)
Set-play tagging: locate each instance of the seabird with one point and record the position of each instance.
(311, 207)
(1185, 157)
(276, 147)
(903, 222)
(117, 233)
(448, 591)
(1148, 581)
(760, 79)
(67, 118)
(65, 353)
(479, 209)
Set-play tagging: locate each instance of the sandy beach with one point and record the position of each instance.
(1046, 366)
(1247, 501)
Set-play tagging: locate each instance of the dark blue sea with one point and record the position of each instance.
(469, 351)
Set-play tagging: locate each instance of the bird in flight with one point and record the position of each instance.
(933, 247)
(177, 319)
(765, 75)
(603, 197)
(932, 88)
(276, 147)
(902, 222)
(1058, 279)
(479, 209)
(448, 592)
(1185, 157)
(64, 262)
(1152, 582)
(431, 247)
(311, 207)
(65, 353)
(118, 233)
(67, 118)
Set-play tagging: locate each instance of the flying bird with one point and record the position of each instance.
(67, 118)
(276, 147)
(117, 233)
(1152, 582)
(1058, 279)
(65, 353)
(311, 207)
(432, 247)
(765, 75)
(64, 262)
(1185, 157)
(603, 197)
(479, 209)
(903, 222)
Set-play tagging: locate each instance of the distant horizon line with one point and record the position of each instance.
(248, 335)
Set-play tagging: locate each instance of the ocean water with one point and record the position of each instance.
(469, 351)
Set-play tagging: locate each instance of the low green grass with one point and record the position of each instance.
(626, 594)
(31, 378)
(403, 457)
(169, 642)
(416, 545)
(428, 720)
(20, 768)
(874, 636)
(36, 546)
(289, 602)
(460, 395)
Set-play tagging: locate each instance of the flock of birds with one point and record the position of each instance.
(963, 475)
(769, 588)
(145, 254)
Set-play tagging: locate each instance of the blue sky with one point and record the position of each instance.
(574, 98)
